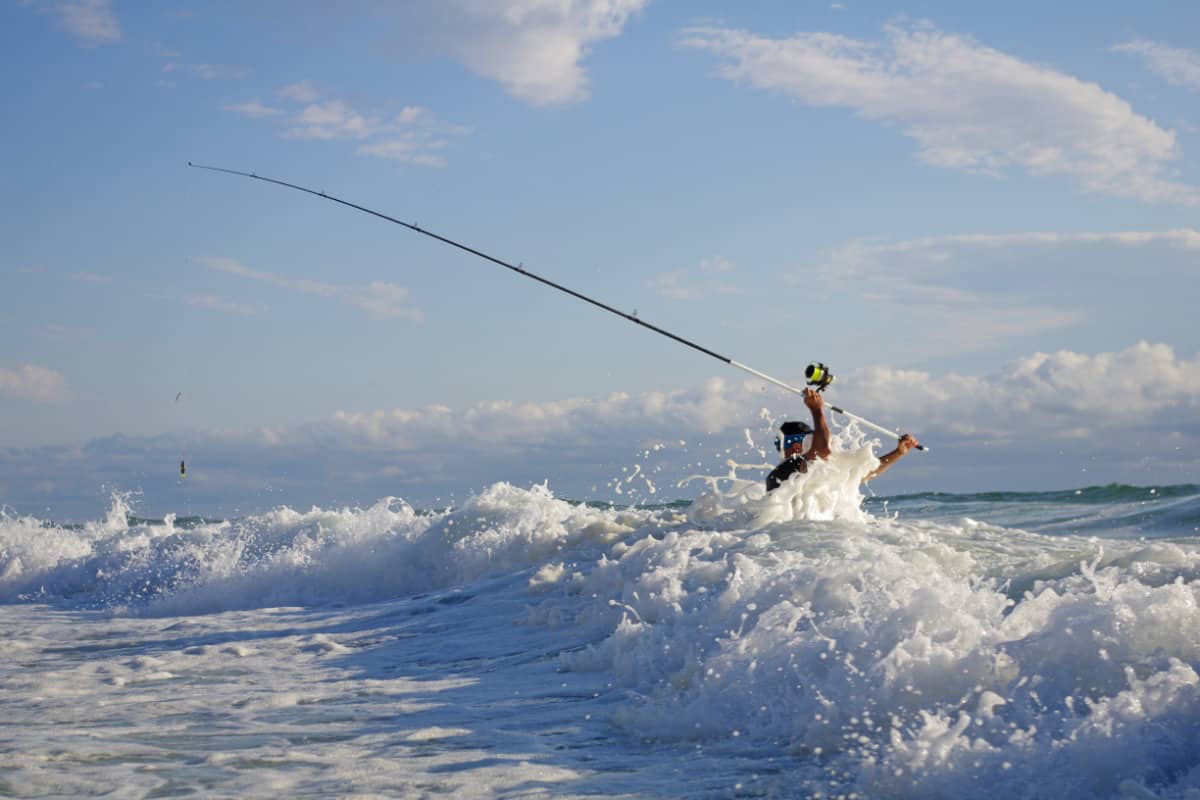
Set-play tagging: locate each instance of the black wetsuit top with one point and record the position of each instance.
(786, 469)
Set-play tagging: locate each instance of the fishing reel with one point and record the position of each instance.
(818, 375)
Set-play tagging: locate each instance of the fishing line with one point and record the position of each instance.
(522, 271)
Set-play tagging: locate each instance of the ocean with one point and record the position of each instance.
(820, 641)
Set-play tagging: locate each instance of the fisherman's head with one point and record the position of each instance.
(790, 441)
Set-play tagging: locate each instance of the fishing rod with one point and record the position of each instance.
(821, 371)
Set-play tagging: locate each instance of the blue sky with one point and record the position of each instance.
(985, 218)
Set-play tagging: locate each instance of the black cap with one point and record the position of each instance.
(792, 428)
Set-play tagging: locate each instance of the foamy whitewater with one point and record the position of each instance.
(809, 643)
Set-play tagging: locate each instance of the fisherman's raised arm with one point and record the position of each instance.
(906, 443)
(820, 443)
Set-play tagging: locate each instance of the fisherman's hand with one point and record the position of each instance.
(814, 400)
(906, 443)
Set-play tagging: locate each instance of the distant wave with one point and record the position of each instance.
(1115, 510)
(1110, 493)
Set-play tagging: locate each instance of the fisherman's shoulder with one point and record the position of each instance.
(786, 469)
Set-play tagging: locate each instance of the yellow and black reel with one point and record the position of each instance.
(818, 375)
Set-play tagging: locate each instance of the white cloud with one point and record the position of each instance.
(1180, 237)
(681, 284)
(302, 92)
(89, 277)
(208, 72)
(408, 149)
(1176, 65)
(935, 255)
(332, 120)
(716, 264)
(411, 136)
(254, 109)
(967, 292)
(379, 299)
(1045, 395)
(534, 48)
(33, 383)
(382, 299)
(967, 106)
(410, 114)
(215, 303)
(91, 20)
(160, 50)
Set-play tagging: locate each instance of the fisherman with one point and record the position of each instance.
(795, 459)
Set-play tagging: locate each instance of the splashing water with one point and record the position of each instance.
(793, 644)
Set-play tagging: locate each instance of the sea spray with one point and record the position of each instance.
(882, 648)
(912, 654)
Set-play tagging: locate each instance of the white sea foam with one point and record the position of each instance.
(831, 649)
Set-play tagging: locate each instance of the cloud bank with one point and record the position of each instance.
(968, 106)
(1068, 390)
(1043, 421)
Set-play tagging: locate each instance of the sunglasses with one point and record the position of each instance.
(789, 441)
